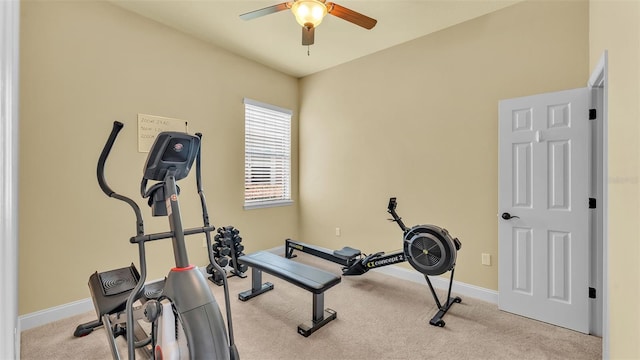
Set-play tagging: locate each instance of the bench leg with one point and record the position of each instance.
(257, 287)
(320, 317)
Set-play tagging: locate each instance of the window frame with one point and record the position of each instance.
(280, 173)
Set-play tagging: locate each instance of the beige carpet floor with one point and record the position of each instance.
(379, 317)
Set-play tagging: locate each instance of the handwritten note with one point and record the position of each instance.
(149, 126)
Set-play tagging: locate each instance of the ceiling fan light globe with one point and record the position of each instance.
(309, 12)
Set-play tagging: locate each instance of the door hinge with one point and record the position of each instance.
(592, 203)
(592, 114)
(592, 293)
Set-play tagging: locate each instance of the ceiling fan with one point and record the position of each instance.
(309, 14)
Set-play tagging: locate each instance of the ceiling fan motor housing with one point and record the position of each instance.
(430, 249)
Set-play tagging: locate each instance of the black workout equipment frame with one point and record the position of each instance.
(185, 292)
(428, 248)
(307, 277)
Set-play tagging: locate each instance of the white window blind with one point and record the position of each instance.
(267, 155)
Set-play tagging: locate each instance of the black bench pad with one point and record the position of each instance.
(307, 277)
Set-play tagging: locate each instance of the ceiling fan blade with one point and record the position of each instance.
(308, 35)
(351, 16)
(265, 11)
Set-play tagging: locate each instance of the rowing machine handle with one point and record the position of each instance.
(392, 204)
(391, 209)
(117, 126)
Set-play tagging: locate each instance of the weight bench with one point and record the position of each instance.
(307, 277)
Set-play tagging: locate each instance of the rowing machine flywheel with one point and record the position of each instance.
(430, 249)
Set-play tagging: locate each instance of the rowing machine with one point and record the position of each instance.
(428, 248)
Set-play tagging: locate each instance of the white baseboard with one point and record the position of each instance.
(42, 317)
(438, 282)
(55, 313)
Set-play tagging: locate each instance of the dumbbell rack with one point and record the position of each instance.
(227, 248)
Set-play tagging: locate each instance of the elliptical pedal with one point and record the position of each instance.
(110, 290)
(114, 282)
(153, 290)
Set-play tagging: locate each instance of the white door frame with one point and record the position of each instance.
(599, 242)
(9, 51)
(598, 82)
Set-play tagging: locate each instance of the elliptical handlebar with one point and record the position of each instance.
(198, 170)
(233, 350)
(117, 126)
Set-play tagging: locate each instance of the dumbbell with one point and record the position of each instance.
(222, 261)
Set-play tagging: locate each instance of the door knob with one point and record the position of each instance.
(508, 216)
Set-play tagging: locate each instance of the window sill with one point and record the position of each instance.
(268, 204)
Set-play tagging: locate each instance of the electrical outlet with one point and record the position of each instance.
(486, 259)
(337, 231)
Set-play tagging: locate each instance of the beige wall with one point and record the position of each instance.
(419, 121)
(615, 26)
(85, 64)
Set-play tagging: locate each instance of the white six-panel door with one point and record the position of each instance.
(543, 191)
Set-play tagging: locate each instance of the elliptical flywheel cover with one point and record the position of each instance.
(430, 249)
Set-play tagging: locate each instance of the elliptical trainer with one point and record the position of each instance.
(181, 305)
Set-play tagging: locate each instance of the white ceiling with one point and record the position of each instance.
(275, 40)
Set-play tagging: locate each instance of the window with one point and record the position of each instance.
(267, 155)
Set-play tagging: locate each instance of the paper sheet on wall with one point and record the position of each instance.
(149, 126)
